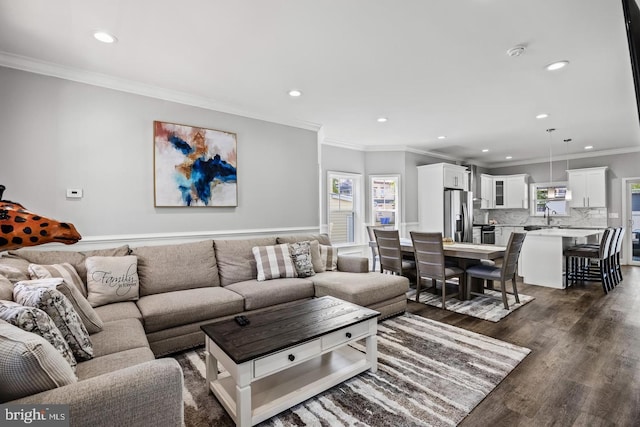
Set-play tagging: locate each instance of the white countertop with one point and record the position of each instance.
(564, 232)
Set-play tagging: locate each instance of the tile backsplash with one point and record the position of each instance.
(579, 217)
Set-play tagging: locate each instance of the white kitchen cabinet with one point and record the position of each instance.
(516, 192)
(487, 199)
(588, 187)
(504, 191)
(455, 176)
(504, 232)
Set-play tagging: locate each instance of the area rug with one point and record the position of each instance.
(483, 307)
(429, 374)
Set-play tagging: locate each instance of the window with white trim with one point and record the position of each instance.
(343, 201)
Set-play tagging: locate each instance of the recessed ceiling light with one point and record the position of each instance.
(509, 157)
(485, 150)
(104, 37)
(557, 65)
(295, 93)
(382, 119)
(442, 137)
(589, 147)
(542, 116)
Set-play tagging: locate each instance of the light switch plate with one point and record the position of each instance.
(74, 193)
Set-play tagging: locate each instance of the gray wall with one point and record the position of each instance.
(58, 134)
(620, 166)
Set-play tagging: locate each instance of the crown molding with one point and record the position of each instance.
(51, 69)
(602, 153)
(345, 145)
(387, 148)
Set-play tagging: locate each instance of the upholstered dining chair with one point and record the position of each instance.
(390, 254)
(430, 264)
(507, 271)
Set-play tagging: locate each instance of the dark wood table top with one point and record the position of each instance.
(276, 329)
(459, 250)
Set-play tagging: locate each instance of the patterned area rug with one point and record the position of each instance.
(483, 307)
(429, 374)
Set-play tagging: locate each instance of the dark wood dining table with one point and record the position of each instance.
(465, 255)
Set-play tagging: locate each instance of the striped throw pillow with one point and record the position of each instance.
(65, 271)
(273, 262)
(329, 256)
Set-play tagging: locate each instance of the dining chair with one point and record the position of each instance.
(430, 264)
(372, 243)
(507, 271)
(390, 254)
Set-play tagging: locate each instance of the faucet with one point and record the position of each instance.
(547, 213)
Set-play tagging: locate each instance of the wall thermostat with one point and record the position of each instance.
(74, 193)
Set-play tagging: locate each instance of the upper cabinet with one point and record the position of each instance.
(455, 176)
(504, 191)
(588, 187)
(446, 175)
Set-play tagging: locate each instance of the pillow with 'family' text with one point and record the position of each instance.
(112, 279)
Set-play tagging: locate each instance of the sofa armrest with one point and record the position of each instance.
(353, 264)
(142, 395)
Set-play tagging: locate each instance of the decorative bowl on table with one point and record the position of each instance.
(447, 241)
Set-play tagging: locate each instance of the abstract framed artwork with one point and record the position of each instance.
(194, 166)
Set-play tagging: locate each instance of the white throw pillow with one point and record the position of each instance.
(273, 262)
(112, 279)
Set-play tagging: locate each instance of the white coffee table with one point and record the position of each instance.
(287, 355)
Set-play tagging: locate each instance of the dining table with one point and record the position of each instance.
(465, 255)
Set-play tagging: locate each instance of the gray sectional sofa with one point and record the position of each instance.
(184, 286)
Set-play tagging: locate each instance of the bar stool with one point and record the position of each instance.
(591, 263)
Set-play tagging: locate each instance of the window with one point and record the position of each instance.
(343, 202)
(385, 200)
(550, 198)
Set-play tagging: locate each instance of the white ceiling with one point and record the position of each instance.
(436, 67)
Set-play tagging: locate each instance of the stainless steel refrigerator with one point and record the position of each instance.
(458, 215)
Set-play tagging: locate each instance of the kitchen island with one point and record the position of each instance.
(541, 260)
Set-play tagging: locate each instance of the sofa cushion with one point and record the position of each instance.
(6, 289)
(301, 257)
(64, 270)
(88, 315)
(119, 335)
(274, 262)
(264, 294)
(176, 267)
(72, 257)
(329, 256)
(235, 258)
(30, 364)
(113, 362)
(162, 311)
(112, 279)
(47, 298)
(34, 320)
(14, 269)
(360, 288)
(118, 310)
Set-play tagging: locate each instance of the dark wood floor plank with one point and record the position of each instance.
(584, 368)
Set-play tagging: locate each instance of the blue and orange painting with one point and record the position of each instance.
(194, 166)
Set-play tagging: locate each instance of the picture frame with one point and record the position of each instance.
(194, 166)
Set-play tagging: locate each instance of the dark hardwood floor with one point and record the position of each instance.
(584, 365)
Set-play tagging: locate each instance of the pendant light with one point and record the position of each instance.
(568, 194)
(551, 191)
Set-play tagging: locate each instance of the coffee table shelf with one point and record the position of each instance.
(278, 392)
